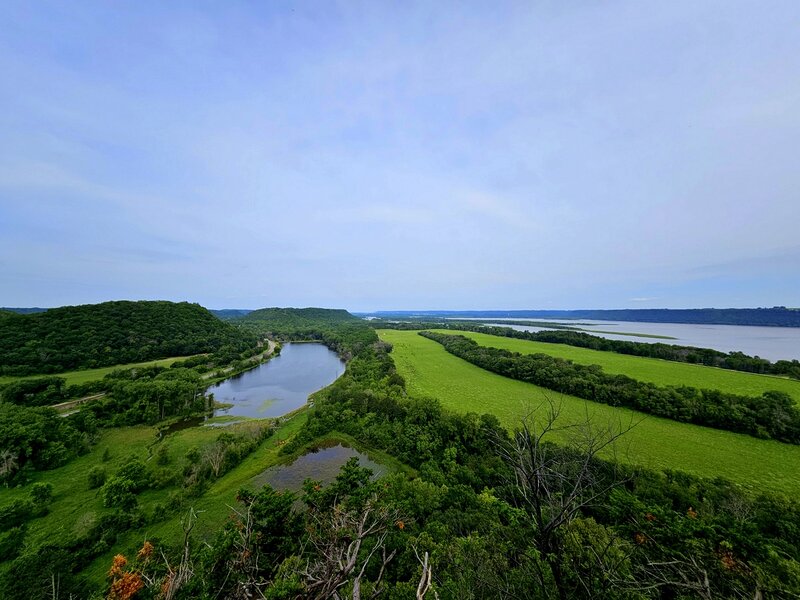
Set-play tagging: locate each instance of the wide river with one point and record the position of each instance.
(280, 385)
(772, 343)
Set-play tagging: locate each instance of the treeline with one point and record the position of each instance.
(736, 361)
(33, 436)
(111, 333)
(37, 438)
(50, 390)
(771, 415)
(467, 525)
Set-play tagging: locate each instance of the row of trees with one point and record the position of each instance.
(771, 415)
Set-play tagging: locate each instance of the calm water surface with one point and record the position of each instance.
(281, 385)
(772, 343)
(320, 465)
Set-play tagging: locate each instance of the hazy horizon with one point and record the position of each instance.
(383, 155)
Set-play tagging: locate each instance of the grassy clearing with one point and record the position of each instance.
(654, 442)
(653, 370)
(77, 377)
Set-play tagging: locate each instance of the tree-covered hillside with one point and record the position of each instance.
(98, 335)
(336, 328)
(299, 317)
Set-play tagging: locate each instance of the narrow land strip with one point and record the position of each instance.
(653, 370)
(653, 442)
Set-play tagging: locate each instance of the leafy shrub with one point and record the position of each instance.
(97, 477)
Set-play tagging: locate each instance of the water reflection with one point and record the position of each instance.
(281, 385)
(320, 465)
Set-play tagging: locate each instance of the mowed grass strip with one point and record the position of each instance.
(653, 442)
(653, 370)
(77, 377)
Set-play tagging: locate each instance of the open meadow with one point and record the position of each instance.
(86, 375)
(652, 370)
(653, 442)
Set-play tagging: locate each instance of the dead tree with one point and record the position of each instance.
(178, 575)
(556, 474)
(215, 455)
(346, 541)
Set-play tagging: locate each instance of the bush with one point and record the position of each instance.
(118, 492)
(162, 456)
(135, 472)
(42, 493)
(97, 477)
(11, 543)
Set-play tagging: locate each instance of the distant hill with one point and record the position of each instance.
(298, 317)
(230, 313)
(24, 311)
(778, 316)
(336, 328)
(98, 335)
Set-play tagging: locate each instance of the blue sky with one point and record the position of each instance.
(384, 155)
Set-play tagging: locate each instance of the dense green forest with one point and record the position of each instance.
(98, 335)
(736, 361)
(778, 316)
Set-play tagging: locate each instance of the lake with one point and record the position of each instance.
(321, 465)
(282, 384)
(772, 343)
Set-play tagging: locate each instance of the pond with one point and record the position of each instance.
(321, 465)
(281, 385)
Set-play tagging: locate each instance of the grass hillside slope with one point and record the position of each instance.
(111, 333)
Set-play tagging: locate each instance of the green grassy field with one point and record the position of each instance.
(77, 377)
(654, 370)
(653, 442)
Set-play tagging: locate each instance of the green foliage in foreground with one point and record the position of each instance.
(147, 493)
(653, 370)
(653, 442)
(98, 335)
